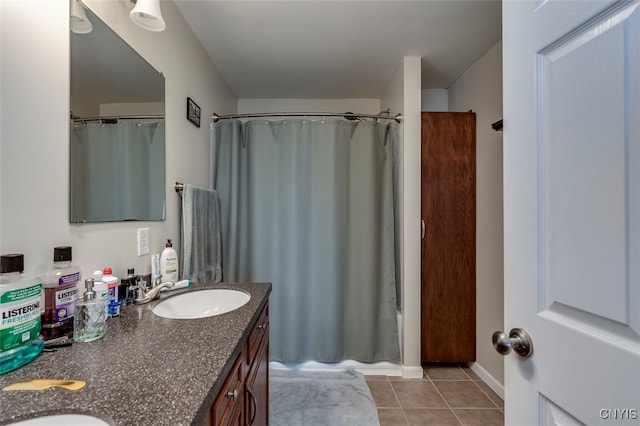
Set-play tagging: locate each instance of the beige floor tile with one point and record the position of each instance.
(374, 377)
(445, 372)
(470, 373)
(418, 394)
(460, 394)
(399, 378)
(491, 394)
(484, 417)
(391, 417)
(431, 417)
(383, 394)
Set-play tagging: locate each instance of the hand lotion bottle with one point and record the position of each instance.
(169, 263)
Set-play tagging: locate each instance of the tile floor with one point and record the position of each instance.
(448, 394)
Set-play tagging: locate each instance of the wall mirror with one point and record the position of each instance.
(117, 134)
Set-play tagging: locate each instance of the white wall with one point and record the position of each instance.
(435, 100)
(34, 131)
(403, 95)
(140, 108)
(363, 106)
(480, 89)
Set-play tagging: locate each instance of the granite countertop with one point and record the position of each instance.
(147, 370)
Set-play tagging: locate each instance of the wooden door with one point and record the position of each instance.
(572, 210)
(449, 242)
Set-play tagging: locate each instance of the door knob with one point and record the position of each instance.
(518, 340)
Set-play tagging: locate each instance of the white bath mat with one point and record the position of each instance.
(317, 398)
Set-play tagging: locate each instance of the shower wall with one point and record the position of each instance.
(364, 106)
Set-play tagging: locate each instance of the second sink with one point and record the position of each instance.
(201, 304)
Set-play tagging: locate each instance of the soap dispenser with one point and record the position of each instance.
(90, 319)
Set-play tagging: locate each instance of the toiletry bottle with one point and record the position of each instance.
(169, 263)
(112, 283)
(90, 319)
(20, 311)
(60, 295)
(132, 286)
(124, 286)
(100, 287)
(156, 275)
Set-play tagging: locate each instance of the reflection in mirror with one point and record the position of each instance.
(117, 154)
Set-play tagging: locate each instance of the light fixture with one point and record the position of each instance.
(147, 14)
(80, 24)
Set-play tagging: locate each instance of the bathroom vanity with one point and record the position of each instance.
(149, 370)
(244, 397)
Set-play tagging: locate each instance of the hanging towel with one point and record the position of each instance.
(201, 250)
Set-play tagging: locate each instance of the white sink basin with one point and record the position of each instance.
(63, 420)
(201, 304)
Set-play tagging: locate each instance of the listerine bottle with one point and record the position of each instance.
(20, 310)
(60, 295)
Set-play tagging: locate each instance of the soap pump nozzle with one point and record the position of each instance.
(89, 294)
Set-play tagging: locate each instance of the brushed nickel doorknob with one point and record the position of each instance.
(518, 340)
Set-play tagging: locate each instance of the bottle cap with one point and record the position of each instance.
(11, 263)
(62, 254)
(168, 244)
(107, 270)
(89, 294)
(131, 271)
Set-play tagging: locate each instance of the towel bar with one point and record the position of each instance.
(179, 186)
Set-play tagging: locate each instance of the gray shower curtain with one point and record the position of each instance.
(308, 206)
(113, 168)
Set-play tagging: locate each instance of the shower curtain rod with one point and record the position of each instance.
(348, 115)
(117, 117)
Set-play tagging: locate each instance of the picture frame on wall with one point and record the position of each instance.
(193, 112)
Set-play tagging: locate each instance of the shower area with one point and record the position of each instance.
(308, 202)
(117, 168)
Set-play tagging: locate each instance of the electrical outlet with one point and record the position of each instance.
(143, 241)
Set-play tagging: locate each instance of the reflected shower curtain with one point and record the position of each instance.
(308, 206)
(112, 170)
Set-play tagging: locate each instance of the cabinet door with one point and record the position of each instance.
(228, 407)
(257, 389)
(257, 377)
(449, 243)
(260, 329)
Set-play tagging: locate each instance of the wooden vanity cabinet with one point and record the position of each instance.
(228, 407)
(257, 378)
(244, 398)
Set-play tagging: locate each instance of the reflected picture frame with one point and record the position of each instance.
(193, 112)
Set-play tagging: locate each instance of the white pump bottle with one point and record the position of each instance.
(169, 263)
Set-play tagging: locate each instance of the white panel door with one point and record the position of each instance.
(572, 210)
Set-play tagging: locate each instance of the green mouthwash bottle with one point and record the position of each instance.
(20, 309)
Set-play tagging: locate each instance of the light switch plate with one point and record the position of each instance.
(143, 241)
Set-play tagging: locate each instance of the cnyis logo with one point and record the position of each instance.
(21, 310)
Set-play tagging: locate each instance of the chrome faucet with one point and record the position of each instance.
(143, 296)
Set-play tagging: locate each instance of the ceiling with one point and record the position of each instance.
(339, 49)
